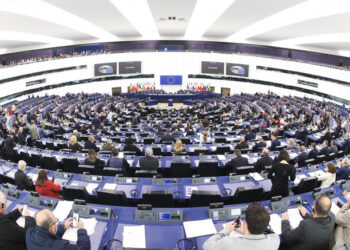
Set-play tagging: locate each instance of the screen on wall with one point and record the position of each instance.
(212, 68)
(234, 69)
(170, 80)
(130, 67)
(105, 69)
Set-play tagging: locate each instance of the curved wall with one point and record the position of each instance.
(174, 63)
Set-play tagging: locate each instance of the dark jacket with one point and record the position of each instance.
(343, 173)
(76, 147)
(313, 154)
(118, 163)
(149, 163)
(274, 144)
(311, 234)
(242, 145)
(264, 161)
(10, 144)
(167, 138)
(21, 139)
(250, 136)
(324, 151)
(40, 239)
(132, 148)
(91, 145)
(257, 147)
(346, 146)
(98, 163)
(279, 175)
(22, 181)
(12, 236)
(301, 159)
(239, 161)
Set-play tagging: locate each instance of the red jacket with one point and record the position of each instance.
(49, 189)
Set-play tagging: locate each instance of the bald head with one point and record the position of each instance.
(265, 151)
(44, 219)
(322, 205)
(3, 200)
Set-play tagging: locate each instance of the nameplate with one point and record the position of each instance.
(164, 181)
(98, 178)
(87, 211)
(159, 216)
(227, 213)
(204, 180)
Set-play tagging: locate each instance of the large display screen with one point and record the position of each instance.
(213, 68)
(234, 69)
(130, 67)
(105, 69)
(171, 80)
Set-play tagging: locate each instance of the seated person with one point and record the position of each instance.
(98, 136)
(205, 138)
(23, 182)
(149, 162)
(129, 146)
(176, 133)
(167, 137)
(257, 219)
(47, 234)
(189, 131)
(325, 149)
(346, 144)
(242, 144)
(313, 152)
(116, 162)
(342, 229)
(301, 158)
(264, 161)
(292, 144)
(90, 144)
(259, 145)
(238, 161)
(329, 178)
(46, 187)
(13, 236)
(314, 232)
(93, 160)
(343, 171)
(333, 148)
(179, 148)
(73, 144)
(108, 146)
(274, 142)
(250, 135)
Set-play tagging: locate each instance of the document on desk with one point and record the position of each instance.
(221, 157)
(110, 186)
(298, 178)
(275, 223)
(21, 220)
(134, 236)
(11, 174)
(334, 208)
(317, 173)
(71, 234)
(256, 176)
(63, 209)
(189, 190)
(90, 187)
(33, 176)
(199, 228)
(294, 217)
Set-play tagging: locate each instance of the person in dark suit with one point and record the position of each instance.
(280, 173)
(313, 152)
(327, 137)
(149, 162)
(274, 142)
(20, 137)
(315, 231)
(346, 144)
(129, 146)
(12, 236)
(264, 161)
(96, 122)
(333, 148)
(261, 144)
(238, 161)
(10, 144)
(167, 137)
(90, 144)
(21, 179)
(325, 149)
(242, 144)
(60, 129)
(250, 135)
(302, 157)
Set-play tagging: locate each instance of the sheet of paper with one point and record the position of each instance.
(74, 184)
(316, 173)
(298, 178)
(275, 223)
(221, 157)
(199, 228)
(90, 187)
(110, 186)
(11, 174)
(196, 163)
(134, 236)
(72, 233)
(334, 208)
(33, 176)
(189, 190)
(63, 209)
(294, 217)
(21, 220)
(256, 176)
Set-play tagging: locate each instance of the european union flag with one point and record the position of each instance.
(171, 80)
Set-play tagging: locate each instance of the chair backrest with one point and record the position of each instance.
(148, 140)
(180, 169)
(245, 169)
(204, 198)
(111, 197)
(157, 150)
(145, 173)
(49, 162)
(220, 139)
(25, 157)
(36, 159)
(70, 165)
(75, 192)
(158, 198)
(223, 149)
(200, 151)
(248, 194)
(306, 185)
(185, 140)
(109, 171)
(87, 168)
(208, 168)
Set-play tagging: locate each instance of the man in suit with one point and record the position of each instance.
(325, 149)
(302, 157)
(333, 148)
(96, 122)
(264, 161)
(116, 162)
(21, 179)
(167, 137)
(313, 152)
(12, 236)
(242, 144)
(314, 232)
(149, 162)
(346, 144)
(90, 144)
(238, 161)
(274, 142)
(261, 144)
(20, 137)
(250, 135)
(10, 144)
(33, 130)
(327, 137)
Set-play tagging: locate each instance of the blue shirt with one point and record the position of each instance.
(343, 173)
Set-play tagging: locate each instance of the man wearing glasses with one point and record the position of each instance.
(47, 234)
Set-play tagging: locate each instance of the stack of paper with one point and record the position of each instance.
(91, 187)
(334, 208)
(275, 223)
(189, 190)
(134, 236)
(63, 209)
(294, 217)
(71, 234)
(256, 176)
(199, 228)
(21, 220)
(110, 186)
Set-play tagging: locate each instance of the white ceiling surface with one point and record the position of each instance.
(318, 25)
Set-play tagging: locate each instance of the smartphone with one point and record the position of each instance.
(75, 219)
(238, 222)
(25, 208)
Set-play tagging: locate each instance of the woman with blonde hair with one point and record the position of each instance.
(178, 148)
(73, 144)
(93, 160)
